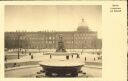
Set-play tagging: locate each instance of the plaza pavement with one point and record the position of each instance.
(92, 67)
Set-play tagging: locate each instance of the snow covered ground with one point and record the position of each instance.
(93, 65)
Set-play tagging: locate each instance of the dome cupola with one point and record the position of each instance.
(82, 26)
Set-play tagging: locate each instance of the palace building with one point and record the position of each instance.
(82, 38)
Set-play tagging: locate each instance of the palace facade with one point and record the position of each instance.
(82, 38)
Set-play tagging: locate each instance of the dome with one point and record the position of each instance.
(82, 26)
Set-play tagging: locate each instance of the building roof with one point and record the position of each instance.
(82, 26)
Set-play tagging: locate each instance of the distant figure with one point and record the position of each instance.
(78, 56)
(5, 58)
(31, 56)
(85, 58)
(29, 53)
(72, 56)
(67, 57)
(50, 56)
(94, 58)
(14, 65)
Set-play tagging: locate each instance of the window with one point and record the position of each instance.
(50, 38)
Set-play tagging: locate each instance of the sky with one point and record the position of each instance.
(52, 17)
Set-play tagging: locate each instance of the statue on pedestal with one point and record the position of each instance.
(61, 47)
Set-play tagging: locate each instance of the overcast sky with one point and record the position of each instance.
(52, 17)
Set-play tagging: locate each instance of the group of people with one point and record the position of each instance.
(67, 57)
(31, 55)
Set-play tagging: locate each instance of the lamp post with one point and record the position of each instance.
(19, 45)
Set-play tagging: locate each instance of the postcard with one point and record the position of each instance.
(64, 40)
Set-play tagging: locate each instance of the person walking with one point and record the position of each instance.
(94, 58)
(31, 56)
(78, 56)
(67, 57)
(50, 56)
(72, 56)
(85, 58)
(5, 58)
(29, 53)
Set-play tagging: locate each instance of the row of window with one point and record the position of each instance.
(50, 38)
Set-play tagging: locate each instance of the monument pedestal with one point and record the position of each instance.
(59, 67)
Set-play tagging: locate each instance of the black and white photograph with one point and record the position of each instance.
(58, 41)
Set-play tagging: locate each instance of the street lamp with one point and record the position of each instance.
(19, 46)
